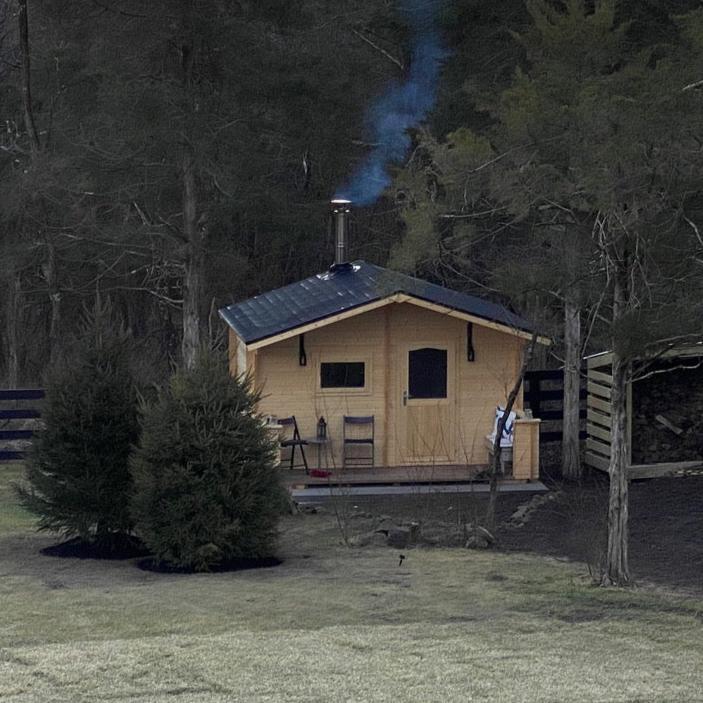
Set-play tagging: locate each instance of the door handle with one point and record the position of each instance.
(405, 397)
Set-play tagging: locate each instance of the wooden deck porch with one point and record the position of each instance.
(391, 475)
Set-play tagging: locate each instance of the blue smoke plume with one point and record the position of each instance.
(403, 105)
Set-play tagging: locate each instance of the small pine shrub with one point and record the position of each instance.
(77, 478)
(206, 490)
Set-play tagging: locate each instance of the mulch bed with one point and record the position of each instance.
(666, 529)
(129, 547)
(161, 567)
(120, 547)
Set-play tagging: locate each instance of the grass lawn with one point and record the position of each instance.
(12, 517)
(334, 624)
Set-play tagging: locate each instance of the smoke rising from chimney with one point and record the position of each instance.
(403, 104)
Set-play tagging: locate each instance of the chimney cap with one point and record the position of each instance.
(341, 209)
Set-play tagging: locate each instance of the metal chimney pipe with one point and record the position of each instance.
(340, 212)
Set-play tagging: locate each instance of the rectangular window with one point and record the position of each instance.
(342, 374)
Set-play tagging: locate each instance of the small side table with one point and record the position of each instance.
(319, 443)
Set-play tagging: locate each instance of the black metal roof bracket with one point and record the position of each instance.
(302, 356)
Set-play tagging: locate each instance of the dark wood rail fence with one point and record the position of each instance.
(543, 395)
(16, 406)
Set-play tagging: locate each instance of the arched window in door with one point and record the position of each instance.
(427, 373)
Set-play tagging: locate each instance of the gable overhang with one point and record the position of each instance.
(389, 300)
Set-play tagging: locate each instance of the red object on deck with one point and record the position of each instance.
(320, 473)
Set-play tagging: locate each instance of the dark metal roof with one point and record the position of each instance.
(350, 286)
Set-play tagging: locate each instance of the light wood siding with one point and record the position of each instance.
(599, 412)
(526, 450)
(237, 354)
(291, 389)
(485, 383)
(380, 338)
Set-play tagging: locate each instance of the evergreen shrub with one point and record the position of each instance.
(77, 478)
(206, 489)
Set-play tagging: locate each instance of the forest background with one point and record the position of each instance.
(180, 155)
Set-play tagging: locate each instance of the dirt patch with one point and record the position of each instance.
(441, 510)
(241, 564)
(666, 524)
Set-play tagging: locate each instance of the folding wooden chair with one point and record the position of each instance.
(293, 440)
(354, 436)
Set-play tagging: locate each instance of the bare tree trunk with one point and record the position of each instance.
(12, 322)
(194, 233)
(194, 265)
(51, 277)
(617, 569)
(13, 307)
(570, 452)
(29, 123)
(50, 265)
(490, 518)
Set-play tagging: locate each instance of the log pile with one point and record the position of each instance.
(667, 416)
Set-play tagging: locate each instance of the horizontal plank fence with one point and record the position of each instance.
(543, 395)
(14, 412)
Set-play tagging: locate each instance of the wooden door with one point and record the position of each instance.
(427, 404)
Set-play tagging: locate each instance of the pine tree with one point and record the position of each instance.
(78, 480)
(206, 488)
